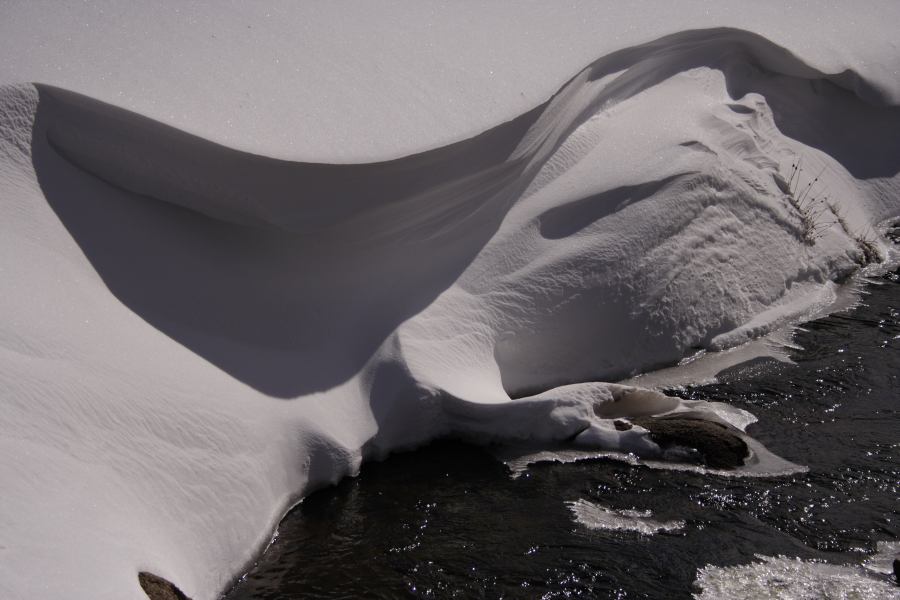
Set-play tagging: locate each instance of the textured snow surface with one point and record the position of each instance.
(195, 336)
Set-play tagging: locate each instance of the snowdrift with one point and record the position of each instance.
(195, 336)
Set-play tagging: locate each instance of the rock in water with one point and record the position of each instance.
(720, 447)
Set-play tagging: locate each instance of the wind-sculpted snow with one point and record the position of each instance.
(196, 337)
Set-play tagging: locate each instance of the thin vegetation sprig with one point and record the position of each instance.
(819, 213)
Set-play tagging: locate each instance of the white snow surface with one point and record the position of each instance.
(604, 518)
(344, 81)
(194, 335)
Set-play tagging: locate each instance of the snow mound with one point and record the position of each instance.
(196, 336)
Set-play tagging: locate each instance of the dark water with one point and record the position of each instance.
(449, 522)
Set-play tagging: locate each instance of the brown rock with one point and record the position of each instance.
(721, 448)
(158, 588)
(621, 425)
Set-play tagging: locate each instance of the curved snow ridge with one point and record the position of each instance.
(157, 161)
(673, 268)
(441, 185)
(474, 203)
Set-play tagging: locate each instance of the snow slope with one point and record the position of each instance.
(344, 81)
(194, 335)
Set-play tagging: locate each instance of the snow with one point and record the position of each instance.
(344, 81)
(596, 516)
(195, 336)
